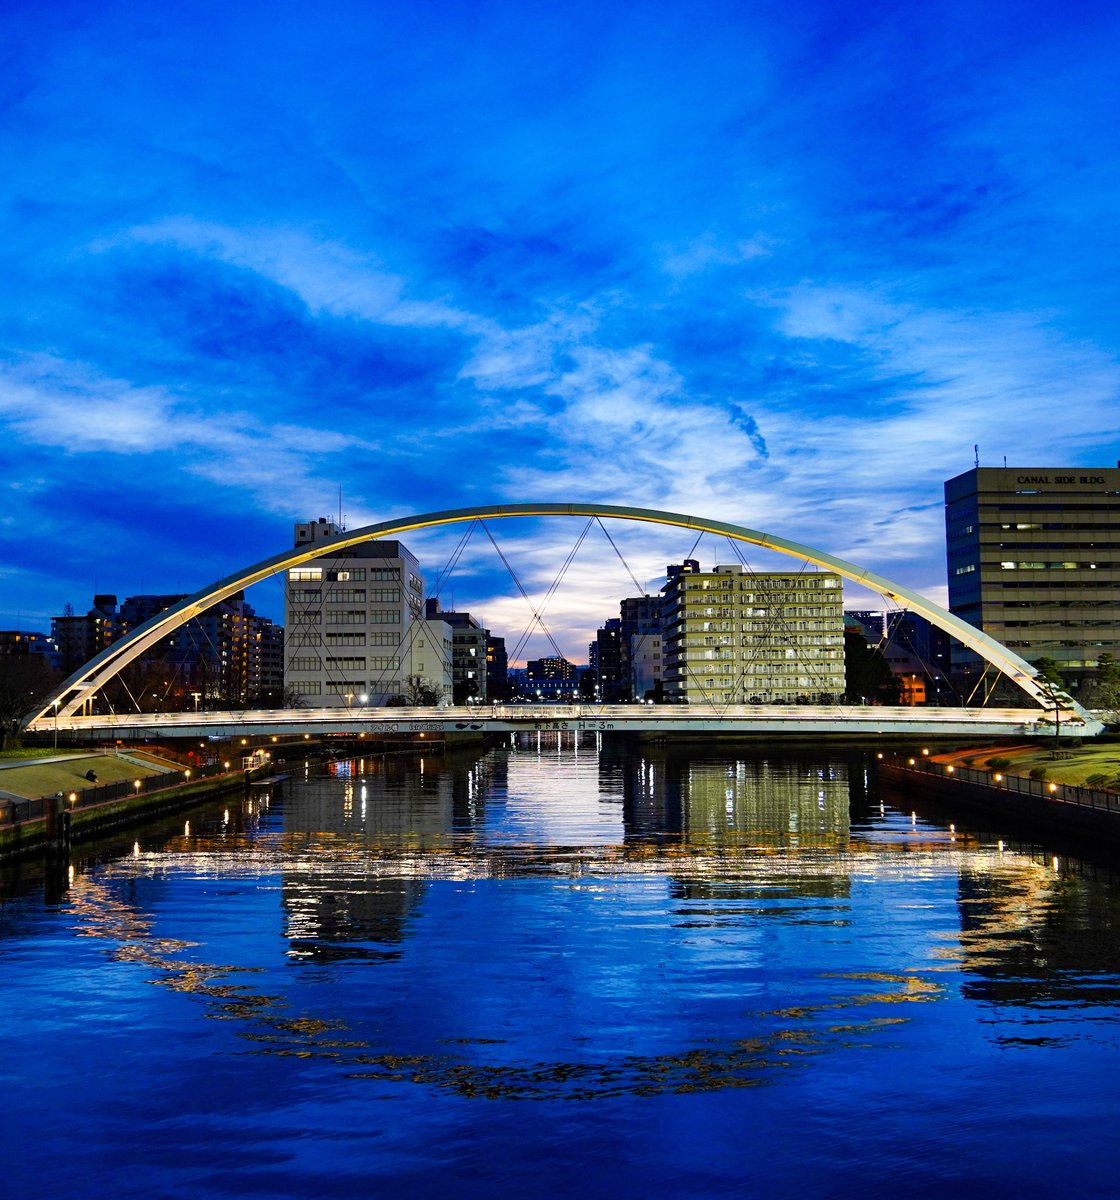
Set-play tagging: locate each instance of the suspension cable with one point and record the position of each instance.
(537, 617)
(641, 590)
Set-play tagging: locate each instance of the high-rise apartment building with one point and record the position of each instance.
(1034, 561)
(226, 657)
(470, 644)
(351, 617)
(24, 643)
(497, 668)
(640, 646)
(733, 637)
(604, 655)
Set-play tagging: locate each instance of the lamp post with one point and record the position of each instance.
(56, 724)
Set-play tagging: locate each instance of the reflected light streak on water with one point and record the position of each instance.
(680, 973)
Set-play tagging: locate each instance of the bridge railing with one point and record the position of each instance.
(1031, 720)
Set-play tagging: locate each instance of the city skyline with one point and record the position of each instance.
(782, 269)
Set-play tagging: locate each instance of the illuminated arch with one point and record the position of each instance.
(101, 668)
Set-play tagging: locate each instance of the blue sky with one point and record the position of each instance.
(776, 264)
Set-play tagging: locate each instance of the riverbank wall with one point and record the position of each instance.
(54, 822)
(1067, 807)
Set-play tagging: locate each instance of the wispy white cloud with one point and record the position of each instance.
(326, 275)
(67, 407)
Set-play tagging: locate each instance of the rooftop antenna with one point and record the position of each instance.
(1005, 462)
(976, 456)
(340, 524)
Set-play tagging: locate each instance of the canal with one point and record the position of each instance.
(558, 968)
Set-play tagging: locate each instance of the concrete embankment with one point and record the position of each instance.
(51, 823)
(56, 822)
(1072, 809)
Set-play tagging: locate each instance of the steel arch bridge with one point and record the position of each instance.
(85, 682)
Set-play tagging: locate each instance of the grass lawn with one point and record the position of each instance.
(44, 779)
(1094, 758)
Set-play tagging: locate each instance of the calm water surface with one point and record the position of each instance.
(560, 970)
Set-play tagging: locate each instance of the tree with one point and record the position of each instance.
(24, 679)
(1052, 686)
(1105, 688)
(867, 674)
(421, 692)
(1049, 671)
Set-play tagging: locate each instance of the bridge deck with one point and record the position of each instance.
(637, 718)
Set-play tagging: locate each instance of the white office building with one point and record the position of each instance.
(351, 617)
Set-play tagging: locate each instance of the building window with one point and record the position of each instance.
(304, 664)
(346, 639)
(344, 617)
(346, 664)
(305, 687)
(305, 574)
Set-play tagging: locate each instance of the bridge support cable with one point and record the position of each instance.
(537, 617)
(979, 686)
(444, 572)
(633, 579)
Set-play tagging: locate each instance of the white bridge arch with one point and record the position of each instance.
(105, 665)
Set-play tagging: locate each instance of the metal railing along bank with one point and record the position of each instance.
(1039, 789)
(15, 812)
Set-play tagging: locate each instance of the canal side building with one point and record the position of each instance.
(1033, 557)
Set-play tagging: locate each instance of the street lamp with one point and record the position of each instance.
(56, 724)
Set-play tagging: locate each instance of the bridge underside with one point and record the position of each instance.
(623, 718)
